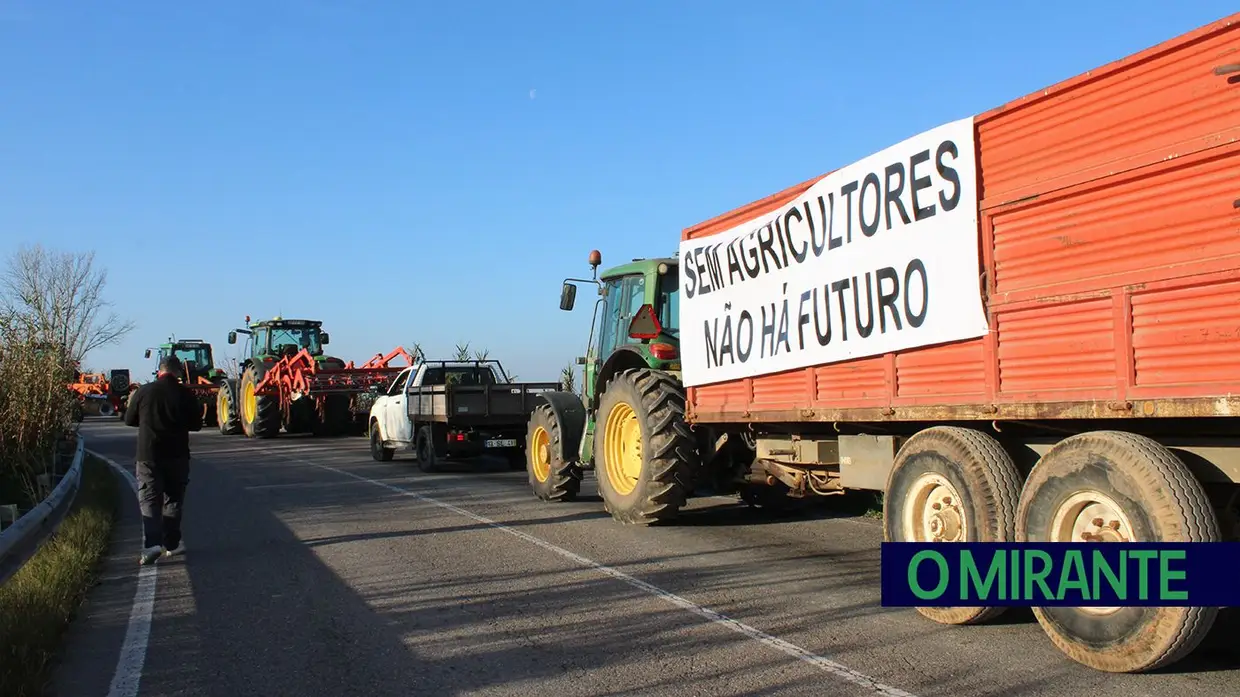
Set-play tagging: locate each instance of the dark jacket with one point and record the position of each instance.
(164, 411)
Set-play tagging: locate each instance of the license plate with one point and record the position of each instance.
(502, 443)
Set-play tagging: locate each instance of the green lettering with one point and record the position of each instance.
(970, 575)
(944, 576)
(1167, 574)
(1038, 577)
(1119, 584)
(1073, 563)
(1144, 556)
(1015, 578)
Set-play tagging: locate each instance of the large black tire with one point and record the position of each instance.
(261, 418)
(228, 408)
(1153, 497)
(428, 458)
(644, 410)
(377, 451)
(982, 507)
(551, 476)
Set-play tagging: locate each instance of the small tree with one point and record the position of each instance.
(56, 298)
(568, 378)
(51, 317)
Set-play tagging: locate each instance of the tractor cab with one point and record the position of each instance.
(194, 354)
(281, 338)
(636, 320)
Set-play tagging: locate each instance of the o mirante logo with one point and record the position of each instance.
(1066, 574)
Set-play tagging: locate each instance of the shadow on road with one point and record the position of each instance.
(435, 604)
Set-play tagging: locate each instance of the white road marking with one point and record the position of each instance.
(757, 635)
(132, 658)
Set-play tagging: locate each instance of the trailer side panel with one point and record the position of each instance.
(1110, 241)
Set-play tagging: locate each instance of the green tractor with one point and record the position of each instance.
(628, 424)
(201, 375)
(299, 399)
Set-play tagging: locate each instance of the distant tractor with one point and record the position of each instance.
(287, 382)
(201, 375)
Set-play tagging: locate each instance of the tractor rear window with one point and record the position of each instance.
(200, 356)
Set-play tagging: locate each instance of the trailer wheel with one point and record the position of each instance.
(1110, 486)
(551, 476)
(952, 484)
(227, 413)
(260, 414)
(105, 408)
(377, 451)
(646, 452)
(427, 460)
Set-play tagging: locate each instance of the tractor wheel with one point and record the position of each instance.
(226, 408)
(552, 477)
(646, 454)
(260, 414)
(1111, 486)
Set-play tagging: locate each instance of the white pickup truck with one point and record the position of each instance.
(457, 409)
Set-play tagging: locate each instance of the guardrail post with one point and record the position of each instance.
(20, 541)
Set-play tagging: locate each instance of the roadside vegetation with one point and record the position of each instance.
(52, 313)
(40, 600)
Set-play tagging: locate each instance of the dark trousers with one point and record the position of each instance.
(161, 493)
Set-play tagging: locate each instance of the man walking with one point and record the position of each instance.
(164, 412)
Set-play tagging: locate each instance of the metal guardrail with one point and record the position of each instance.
(21, 540)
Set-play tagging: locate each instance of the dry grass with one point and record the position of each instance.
(36, 412)
(39, 601)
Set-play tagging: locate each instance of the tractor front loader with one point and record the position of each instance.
(287, 383)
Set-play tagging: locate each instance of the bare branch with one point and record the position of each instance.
(57, 298)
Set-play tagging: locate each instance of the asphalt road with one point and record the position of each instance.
(312, 569)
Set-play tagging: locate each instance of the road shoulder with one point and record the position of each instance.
(93, 640)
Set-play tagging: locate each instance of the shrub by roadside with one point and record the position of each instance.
(38, 602)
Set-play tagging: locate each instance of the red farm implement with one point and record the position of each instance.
(287, 383)
(303, 393)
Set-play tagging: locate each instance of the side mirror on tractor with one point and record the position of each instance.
(324, 338)
(147, 354)
(232, 337)
(568, 296)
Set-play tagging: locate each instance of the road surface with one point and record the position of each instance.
(312, 569)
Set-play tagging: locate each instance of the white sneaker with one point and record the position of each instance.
(150, 554)
(179, 549)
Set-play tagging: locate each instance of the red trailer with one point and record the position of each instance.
(1045, 345)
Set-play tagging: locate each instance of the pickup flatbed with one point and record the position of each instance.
(454, 409)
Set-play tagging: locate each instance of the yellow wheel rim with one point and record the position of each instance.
(223, 406)
(249, 402)
(622, 449)
(540, 454)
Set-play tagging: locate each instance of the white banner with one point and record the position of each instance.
(879, 256)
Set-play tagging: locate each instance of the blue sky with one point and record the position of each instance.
(416, 171)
